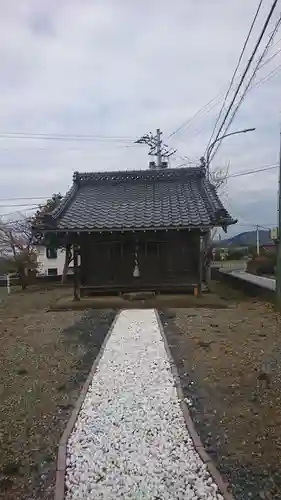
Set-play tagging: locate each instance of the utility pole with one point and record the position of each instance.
(278, 260)
(157, 149)
(258, 240)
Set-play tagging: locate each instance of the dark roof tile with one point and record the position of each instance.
(145, 199)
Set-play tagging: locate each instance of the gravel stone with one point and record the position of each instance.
(130, 438)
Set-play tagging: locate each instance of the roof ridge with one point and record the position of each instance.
(135, 175)
(64, 202)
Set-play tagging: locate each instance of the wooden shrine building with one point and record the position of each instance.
(137, 230)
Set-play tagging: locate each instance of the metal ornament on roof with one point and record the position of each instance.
(136, 272)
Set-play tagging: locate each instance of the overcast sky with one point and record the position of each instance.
(121, 68)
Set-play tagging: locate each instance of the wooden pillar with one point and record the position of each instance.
(204, 257)
(201, 263)
(208, 240)
(76, 273)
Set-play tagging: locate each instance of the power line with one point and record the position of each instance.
(202, 111)
(244, 222)
(198, 131)
(13, 221)
(206, 110)
(63, 137)
(253, 171)
(268, 77)
(262, 168)
(235, 71)
(250, 224)
(248, 86)
(65, 149)
(27, 198)
(270, 59)
(247, 68)
(256, 85)
(20, 205)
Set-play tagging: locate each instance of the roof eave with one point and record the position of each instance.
(227, 222)
(201, 227)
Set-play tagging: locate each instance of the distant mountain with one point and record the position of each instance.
(246, 239)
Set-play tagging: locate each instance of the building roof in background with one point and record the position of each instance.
(139, 200)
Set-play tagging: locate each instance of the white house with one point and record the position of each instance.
(51, 261)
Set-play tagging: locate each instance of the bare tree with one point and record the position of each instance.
(44, 209)
(67, 261)
(218, 178)
(17, 247)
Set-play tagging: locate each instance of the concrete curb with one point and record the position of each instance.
(222, 485)
(61, 457)
(117, 303)
(248, 288)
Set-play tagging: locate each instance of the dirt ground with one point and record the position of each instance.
(44, 359)
(229, 361)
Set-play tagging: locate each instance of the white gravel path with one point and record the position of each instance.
(130, 439)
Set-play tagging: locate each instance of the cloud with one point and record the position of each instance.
(121, 69)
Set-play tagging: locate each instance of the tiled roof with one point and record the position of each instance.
(147, 199)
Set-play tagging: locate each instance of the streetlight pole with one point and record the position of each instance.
(206, 163)
(210, 147)
(278, 259)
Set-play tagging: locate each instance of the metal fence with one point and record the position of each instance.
(231, 265)
(7, 283)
